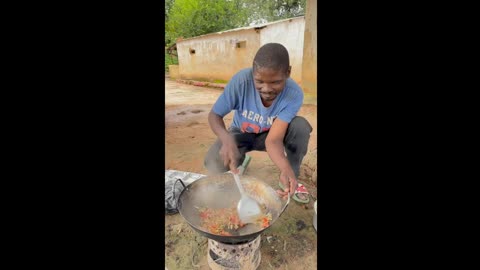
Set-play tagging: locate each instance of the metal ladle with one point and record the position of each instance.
(247, 208)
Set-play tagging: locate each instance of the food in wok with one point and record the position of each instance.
(209, 205)
(225, 221)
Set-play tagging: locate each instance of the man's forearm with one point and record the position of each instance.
(275, 150)
(218, 127)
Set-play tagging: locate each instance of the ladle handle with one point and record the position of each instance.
(284, 207)
(237, 180)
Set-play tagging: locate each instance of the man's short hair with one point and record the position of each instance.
(273, 56)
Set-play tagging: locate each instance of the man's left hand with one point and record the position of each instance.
(289, 183)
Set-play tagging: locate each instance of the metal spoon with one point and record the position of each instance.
(247, 208)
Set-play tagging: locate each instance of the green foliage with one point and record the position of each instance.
(190, 18)
(273, 10)
(168, 7)
(170, 60)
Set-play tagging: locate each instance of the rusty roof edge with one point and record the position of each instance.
(254, 27)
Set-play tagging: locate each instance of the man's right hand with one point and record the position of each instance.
(229, 151)
(230, 154)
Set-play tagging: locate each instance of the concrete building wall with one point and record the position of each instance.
(216, 56)
(290, 34)
(173, 71)
(309, 63)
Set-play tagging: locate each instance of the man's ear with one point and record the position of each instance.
(289, 71)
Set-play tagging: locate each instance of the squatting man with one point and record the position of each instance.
(265, 101)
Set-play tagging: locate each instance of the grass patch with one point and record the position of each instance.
(220, 81)
(170, 60)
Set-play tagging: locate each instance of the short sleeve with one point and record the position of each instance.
(230, 97)
(294, 101)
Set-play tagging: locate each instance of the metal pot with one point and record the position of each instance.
(220, 191)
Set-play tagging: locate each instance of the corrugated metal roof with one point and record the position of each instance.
(257, 26)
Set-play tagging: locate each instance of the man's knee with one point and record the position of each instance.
(212, 162)
(300, 126)
(214, 165)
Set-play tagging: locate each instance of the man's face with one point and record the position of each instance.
(269, 82)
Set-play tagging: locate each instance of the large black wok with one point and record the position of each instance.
(220, 191)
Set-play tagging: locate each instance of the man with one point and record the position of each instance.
(265, 100)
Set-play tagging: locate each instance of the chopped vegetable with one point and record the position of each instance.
(218, 221)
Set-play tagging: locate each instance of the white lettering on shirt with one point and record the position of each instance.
(255, 118)
(270, 120)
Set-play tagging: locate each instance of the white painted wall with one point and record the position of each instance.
(216, 58)
(290, 34)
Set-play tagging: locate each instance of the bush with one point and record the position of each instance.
(170, 60)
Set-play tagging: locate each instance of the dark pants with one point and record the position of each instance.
(295, 142)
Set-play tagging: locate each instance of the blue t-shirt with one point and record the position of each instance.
(250, 115)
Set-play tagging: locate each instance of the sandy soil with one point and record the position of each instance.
(292, 239)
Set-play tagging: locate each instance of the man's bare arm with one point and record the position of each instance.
(229, 151)
(218, 127)
(275, 149)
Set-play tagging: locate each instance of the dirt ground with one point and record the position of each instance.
(292, 240)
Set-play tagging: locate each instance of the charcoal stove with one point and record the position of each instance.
(223, 256)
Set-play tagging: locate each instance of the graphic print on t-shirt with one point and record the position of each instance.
(251, 116)
(253, 122)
